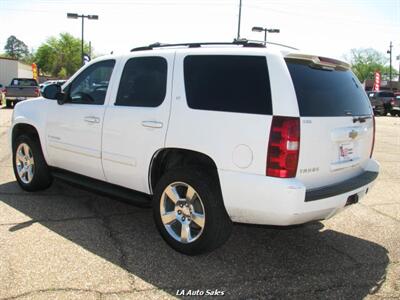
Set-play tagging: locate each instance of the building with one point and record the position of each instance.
(12, 68)
(386, 85)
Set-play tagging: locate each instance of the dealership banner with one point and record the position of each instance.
(34, 71)
(377, 82)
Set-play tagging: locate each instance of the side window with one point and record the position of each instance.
(230, 83)
(90, 87)
(143, 82)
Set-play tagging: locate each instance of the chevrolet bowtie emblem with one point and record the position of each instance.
(353, 134)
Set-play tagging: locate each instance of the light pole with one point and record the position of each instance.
(240, 16)
(261, 29)
(390, 63)
(398, 58)
(76, 16)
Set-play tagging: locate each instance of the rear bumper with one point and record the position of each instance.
(17, 99)
(343, 187)
(265, 200)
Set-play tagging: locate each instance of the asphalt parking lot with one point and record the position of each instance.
(67, 243)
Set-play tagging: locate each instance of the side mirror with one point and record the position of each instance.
(61, 99)
(51, 91)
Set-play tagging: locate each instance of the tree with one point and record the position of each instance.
(60, 56)
(366, 61)
(16, 48)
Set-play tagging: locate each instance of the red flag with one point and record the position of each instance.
(377, 82)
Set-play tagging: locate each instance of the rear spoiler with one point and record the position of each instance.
(319, 60)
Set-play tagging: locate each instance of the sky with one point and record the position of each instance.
(324, 27)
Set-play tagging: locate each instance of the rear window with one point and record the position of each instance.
(231, 83)
(327, 93)
(24, 82)
(386, 95)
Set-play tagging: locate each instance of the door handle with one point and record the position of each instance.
(152, 124)
(91, 120)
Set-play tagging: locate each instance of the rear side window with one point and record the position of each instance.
(386, 95)
(24, 82)
(327, 93)
(230, 83)
(143, 82)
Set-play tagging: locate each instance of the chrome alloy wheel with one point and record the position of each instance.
(182, 212)
(25, 163)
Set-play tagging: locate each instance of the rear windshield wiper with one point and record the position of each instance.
(361, 119)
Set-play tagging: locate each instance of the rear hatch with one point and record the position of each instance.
(336, 120)
(23, 88)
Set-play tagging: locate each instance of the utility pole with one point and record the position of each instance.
(390, 64)
(90, 49)
(240, 16)
(82, 58)
(398, 58)
(76, 16)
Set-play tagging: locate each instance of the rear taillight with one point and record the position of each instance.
(37, 91)
(392, 102)
(5, 90)
(373, 136)
(283, 147)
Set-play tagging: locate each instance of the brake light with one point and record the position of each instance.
(283, 147)
(392, 102)
(373, 136)
(37, 91)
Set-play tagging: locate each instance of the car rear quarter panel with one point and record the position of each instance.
(235, 141)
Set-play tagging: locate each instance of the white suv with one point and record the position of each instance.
(207, 134)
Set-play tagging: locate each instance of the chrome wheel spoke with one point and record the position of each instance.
(190, 194)
(21, 172)
(199, 219)
(20, 155)
(168, 218)
(186, 236)
(172, 194)
(26, 149)
(29, 173)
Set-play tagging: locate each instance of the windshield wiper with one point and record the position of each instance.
(361, 119)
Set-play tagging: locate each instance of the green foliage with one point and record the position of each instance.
(365, 62)
(62, 73)
(16, 48)
(60, 56)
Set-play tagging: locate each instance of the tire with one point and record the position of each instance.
(206, 202)
(393, 113)
(8, 104)
(28, 156)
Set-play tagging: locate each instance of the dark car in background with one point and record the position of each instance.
(384, 102)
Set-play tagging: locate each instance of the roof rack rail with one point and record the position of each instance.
(240, 42)
(271, 43)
